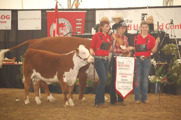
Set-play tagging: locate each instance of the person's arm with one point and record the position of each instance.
(92, 46)
(113, 44)
(91, 52)
(156, 45)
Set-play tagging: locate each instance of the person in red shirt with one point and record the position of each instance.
(144, 44)
(100, 45)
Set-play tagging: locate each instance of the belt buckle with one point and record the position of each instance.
(142, 57)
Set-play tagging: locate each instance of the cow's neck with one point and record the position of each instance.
(78, 62)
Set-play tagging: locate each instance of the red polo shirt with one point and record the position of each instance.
(96, 44)
(150, 44)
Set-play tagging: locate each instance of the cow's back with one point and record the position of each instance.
(47, 63)
(59, 44)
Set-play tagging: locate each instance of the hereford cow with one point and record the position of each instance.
(61, 45)
(41, 65)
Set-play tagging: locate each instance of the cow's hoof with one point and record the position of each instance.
(83, 99)
(38, 101)
(51, 98)
(71, 103)
(27, 101)
(66, 104)
(106, 99)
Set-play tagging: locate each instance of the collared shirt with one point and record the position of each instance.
(96, 43)
(119, 49)
(150, 45)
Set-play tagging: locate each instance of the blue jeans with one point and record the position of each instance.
(112, 84)
(101, 67)
(142, 71)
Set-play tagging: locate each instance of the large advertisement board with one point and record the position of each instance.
(133, 17)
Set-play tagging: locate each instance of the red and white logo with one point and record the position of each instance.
(65, 28)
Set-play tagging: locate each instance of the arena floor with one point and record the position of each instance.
(12, 107)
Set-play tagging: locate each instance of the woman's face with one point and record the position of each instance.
(105, 28)
(144, 28)
(150, 20)
(121, 30)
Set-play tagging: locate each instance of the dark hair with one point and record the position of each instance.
(102, 23)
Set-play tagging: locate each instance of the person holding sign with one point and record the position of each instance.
(144, 44)
(99, 48)
(120, 47)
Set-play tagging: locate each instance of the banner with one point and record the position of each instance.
(29, 20)
(133, 17)
(5, 20)
(124, 75)
(70, 23)
(56, 27)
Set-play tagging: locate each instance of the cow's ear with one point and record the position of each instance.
(77, 51)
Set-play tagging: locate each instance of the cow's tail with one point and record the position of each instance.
(3, 51)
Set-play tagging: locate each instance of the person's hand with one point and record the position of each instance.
(158, 39)
(113, 35)
(110, 32)
(92, 52)
(130, 48)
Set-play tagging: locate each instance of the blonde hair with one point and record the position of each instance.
(150, 17)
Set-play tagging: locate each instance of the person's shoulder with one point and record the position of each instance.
(137, 36)
(95, 35)
(125, 37)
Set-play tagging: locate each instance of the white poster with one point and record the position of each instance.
(5, 20)
(124, 75)
(133, 17)
(29, 20)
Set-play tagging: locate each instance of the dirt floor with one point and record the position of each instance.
(12, 107)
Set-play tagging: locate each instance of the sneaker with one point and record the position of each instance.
(137, 102)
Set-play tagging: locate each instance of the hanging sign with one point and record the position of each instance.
(5, 20)
(69, 23)
(124, 75)
(29, 20)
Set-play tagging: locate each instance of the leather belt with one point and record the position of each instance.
(142, 57)
(101, 57)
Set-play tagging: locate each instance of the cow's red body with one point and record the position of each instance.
(60, 45)
(45, 66)
(63, 45)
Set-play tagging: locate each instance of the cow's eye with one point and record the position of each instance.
(83, 52)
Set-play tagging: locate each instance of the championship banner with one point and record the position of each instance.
(70, 23)
(5, 20)
(124, 75)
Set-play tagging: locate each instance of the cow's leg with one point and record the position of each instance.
(36, 87)
(27, 85)
(45, 88)
(71, 90)
(64, 91)
(82, 81)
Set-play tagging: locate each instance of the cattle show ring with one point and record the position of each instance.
(48, 72)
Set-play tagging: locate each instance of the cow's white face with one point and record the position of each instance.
(84, 54)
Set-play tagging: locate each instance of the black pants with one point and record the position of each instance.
(112, 84)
